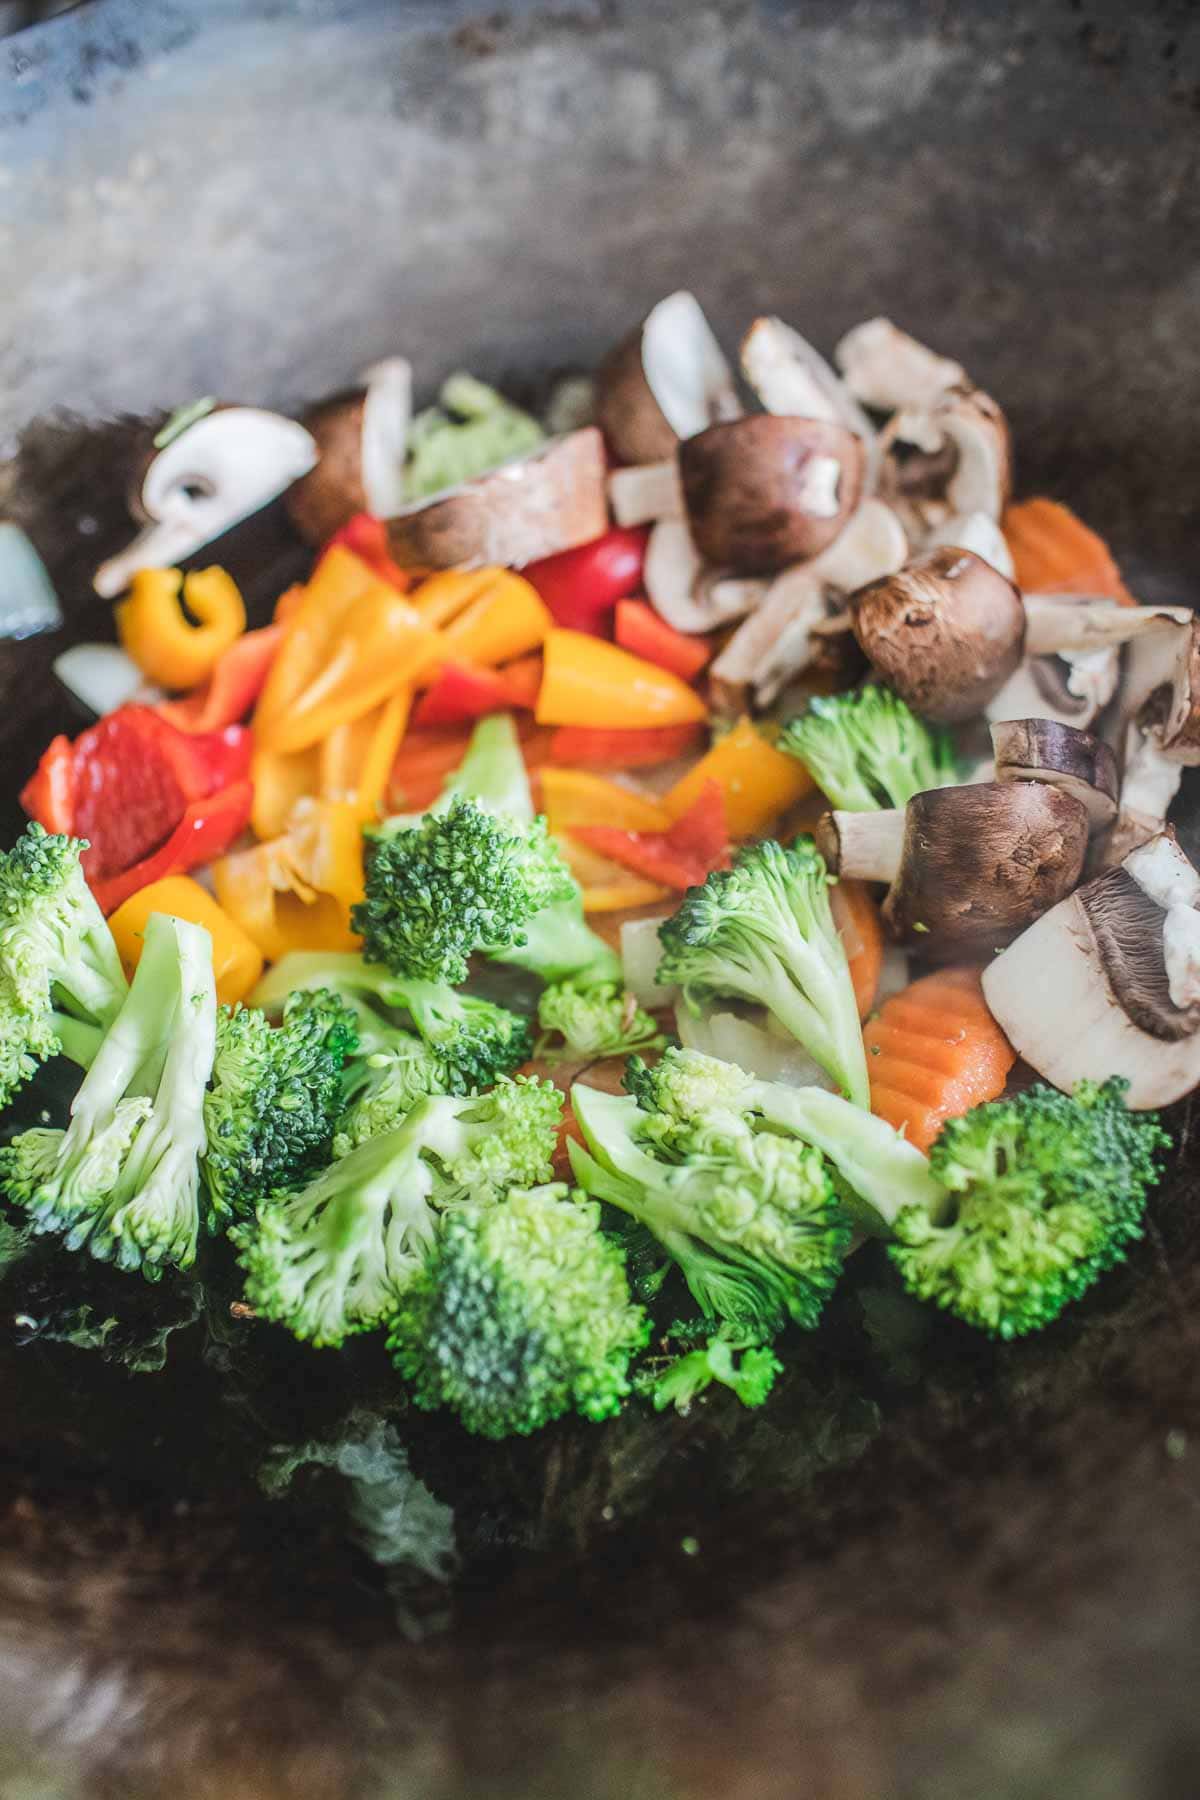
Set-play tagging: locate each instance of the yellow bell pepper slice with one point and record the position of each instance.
(295, 893)
(587, 681)
(759, 782)
(280, 778)
(607, 887)
(237, 961)
(440, 598)
(346, 649)
(356, 758)
(577, 797)
(161, 637)
(508, 619)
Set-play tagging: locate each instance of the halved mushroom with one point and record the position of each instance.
(888, 370)
(362, 437)
(793, 379)
(549, 501)
(793, 628)
(646, 492)
(1086, 992)
(202, 478)
(765, 491)
(1149, 784)
(666, 381)
(945, 632)
(953, 458)
(969, 867)
(979, 533)
(683, 591)
(1075, 761)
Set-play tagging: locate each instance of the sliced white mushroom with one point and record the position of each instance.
(1069, 624)
(646, 492)
(684, 591)
(791, 377)
(1149, 784)
(386, 416)
(1164, 872)
(1181, 955)
(887, 369)
(954, 458)
(975, 531)
(214, 473)
(668, 380)
(551, 500)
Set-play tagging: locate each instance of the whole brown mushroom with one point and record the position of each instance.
(946, 632)
(765, 491)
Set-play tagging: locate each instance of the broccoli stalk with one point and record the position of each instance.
(124, 1178)
(59, 966)
(752, 1220)
(332, 1258)
(866, 750)
(763, 931)
(1047, 1190)
(579, 1022)
(520, 1313)
(879, 1171)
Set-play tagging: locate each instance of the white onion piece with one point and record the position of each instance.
(758, 1051)
(893, 975)
(28, 602)
(640, 953)
(103, 678)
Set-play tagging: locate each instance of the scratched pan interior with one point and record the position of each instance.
(946, 1569)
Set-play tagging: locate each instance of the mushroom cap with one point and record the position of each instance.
(331, 493)
(766, 490)
(981, 863)
(945, 632)
(549, 501)
(1075, 761)
(667, 379)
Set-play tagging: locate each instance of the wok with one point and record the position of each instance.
(934, 1566)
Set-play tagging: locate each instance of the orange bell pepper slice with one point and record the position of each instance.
(296, 892)
(174, 647)
(237, 961)
(640, 630)
(351, 644)
(232, 688)
(572, 797)
(1054, 552)
(759, 782)
(606, 886)
(588, 682)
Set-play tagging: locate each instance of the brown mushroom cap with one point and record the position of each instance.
(321, 502)
(981, 863)
(666, 380)
(1076, 761)
(544, 503)
(765, 491)
(626, 410)
(945, 633)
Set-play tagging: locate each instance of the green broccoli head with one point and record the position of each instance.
(475, 1040)
(461, 881)
(578, 1021)
(275, 1097)
(521, 1313)
(753, 1221)
(866, 750)
(763, 931)
(1047, 1192)
(690, 1088)
(747, 1369)
(331, 1258)
(56, 954)
(124, 1178)
(381, 1089)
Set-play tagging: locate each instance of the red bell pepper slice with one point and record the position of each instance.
(206, 829)
(465, 691)
(582, 586)
(683, 857)
(367, 537)
(49, 794)
(598, 747)
(232, 688)
(644, 634)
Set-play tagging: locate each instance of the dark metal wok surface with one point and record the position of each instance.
(935, 1567)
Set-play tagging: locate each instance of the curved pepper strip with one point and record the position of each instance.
(160, 636)
(295, 893)
(681, 857)
(596, 747)
(232, 688)
(589, 682)
(349, 646)
(486, 616)
(237, 962)
(207, 828)
(355, 761)
(758, 781)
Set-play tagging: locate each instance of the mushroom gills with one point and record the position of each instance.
(1127, 928)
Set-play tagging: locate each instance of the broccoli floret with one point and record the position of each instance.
(752, 1220)
(579, 1021)
(332, 1258)
(763, 931)
(124, 1178)
(747, 1369)
(461, 881)
(58, 962)
(471, 430)
(521, 1313)
(275, 1097)
(1047, 1192)
(867, 750)
(878, 1171)
(470, 1041)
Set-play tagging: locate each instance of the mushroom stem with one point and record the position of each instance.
(1058, 624)
(646, 492)
(862, 846)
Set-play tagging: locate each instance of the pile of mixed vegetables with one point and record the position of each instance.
(865, 768)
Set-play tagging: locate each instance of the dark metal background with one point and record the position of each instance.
(996, 1594)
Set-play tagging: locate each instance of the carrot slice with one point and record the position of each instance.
(857, 918)
(934, 1051)
(1054, 552)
